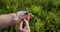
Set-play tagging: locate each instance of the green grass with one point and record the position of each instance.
(46, 12)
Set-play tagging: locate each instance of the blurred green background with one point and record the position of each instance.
(46, 12)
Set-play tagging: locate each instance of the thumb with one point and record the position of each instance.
(26, 24)
(20, 25)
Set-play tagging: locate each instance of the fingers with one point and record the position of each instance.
(28, 16)
(17, 20)
(26, 24)
(20, 25)
(31, 16)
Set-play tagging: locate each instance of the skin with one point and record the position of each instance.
(7, 20)
(25, 27)
(11, 19)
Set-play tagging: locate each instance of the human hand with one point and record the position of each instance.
(24, 25)
(29, 16)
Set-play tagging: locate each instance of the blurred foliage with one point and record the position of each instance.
(46, 12)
